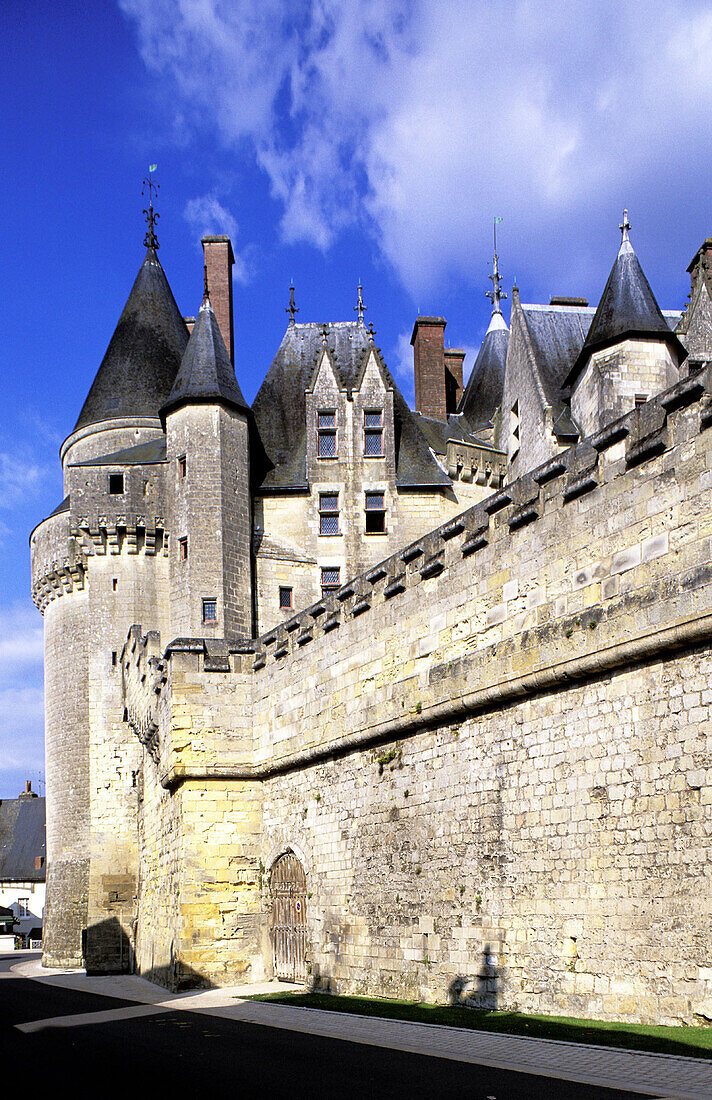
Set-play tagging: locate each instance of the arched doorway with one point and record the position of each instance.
(288, 924)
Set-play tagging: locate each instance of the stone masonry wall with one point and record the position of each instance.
(493, 752)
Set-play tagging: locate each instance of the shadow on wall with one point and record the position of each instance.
(108, 949)
(481, 991)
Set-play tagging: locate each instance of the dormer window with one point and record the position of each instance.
(373, 433)
(326, 435)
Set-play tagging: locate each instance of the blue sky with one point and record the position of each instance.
(334, 142)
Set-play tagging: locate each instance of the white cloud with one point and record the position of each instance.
(21, 696)
(21, 640)
(206, 215)
(20, 477)
(420, 120)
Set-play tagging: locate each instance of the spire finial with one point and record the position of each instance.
(206, 288)
(371, 331)
(291, 309)
(625, 227)
(150, 240)
(496, 294)
(324, 334)
(360, 308)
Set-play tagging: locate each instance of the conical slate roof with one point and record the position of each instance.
(627, 308)
(206, 374)
(142, 360)
(483, 392)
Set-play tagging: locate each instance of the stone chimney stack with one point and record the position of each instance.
(428, 342)
(454, 359)
(219, 259)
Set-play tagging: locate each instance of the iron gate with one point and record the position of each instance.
(288, 926)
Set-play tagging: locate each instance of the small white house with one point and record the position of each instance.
(23, 865)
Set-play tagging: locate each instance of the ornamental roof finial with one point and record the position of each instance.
(496, 294)
(291, 309)
(360, 308)
(625, 227)
(206, 288)
(150, 240)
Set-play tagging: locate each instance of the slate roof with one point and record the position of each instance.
(280, 407)
(141, 362)
(206, 373)
(627, 308)
(22, 838)
(143, 454)
(556, 334)
(485, 386)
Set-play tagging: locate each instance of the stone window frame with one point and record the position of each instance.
(210, 602)
(373, 431)
(183, 548)
(375, 512)
(182, 466)
(326, 434)
(286, 597)
(114, 481)
(327, 514)
(330, 579)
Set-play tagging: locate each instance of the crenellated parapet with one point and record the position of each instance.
(472, 463)
(101, 535)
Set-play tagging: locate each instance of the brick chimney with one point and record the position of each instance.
(428, 342)
(219, 259)
(454, 358)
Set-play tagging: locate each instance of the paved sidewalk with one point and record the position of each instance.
(655, 1075)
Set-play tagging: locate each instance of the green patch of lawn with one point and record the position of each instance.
(694, 1042)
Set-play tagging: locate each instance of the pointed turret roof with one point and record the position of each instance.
(143, 356)
(206, 375)
(483, 392)
(627, 308)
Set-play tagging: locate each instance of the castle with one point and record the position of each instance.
(402, 702)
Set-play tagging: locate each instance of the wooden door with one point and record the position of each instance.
(289, 919)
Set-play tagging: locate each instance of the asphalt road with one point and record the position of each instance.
(193, 1054)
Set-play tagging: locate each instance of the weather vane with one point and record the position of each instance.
(496, 294)
(360, 308)
(150, 240)
(291, 309)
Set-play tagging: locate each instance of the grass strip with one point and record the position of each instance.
(691, 1042)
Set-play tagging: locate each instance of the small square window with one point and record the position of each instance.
(285, 598)
(330, 579)
(183, 549)
(210, 611)
(116, 484)
(329, 513)
(640, 399)
(326, 435)
(375, 514)
(373, 433)
(182, 466)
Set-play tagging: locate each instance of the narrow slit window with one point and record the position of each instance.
(640, 399)
(183, 549)
(116, 484)
(375, 514)
(286, 598)
(330, 579)
(373, 433)
(326, 435)
(329, 513)
(182, 466)
(210, 611)
(514, 432)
